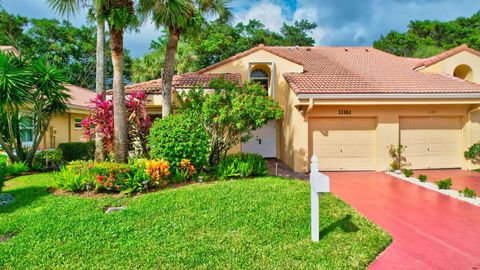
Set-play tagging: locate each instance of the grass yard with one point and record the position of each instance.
(262, 223)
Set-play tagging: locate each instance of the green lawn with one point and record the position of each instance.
(261, 223)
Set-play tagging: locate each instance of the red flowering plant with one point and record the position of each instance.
(100, 121)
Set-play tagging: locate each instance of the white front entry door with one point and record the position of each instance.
(262, 142)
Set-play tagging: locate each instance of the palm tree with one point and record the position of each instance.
(32, 86)
(120, 16)
(69, 8)
(178, 17)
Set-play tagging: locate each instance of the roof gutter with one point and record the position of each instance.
(390, 96)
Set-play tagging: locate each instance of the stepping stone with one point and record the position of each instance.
(114, 209)
(6, 199)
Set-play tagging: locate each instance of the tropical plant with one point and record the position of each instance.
(179, 17)
(158, 171)
(230, 113)
(31, 91)
(139, 123)
(120, 16)
(184, 171)
(15, 169)
(241, 165)
(69, 180)
(444, 184)
(178, 137)
(399, 160)
(469, 193)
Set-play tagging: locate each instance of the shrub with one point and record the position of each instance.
(179, 137)
(242, 165)
(444, 184)
(16, 168)
(69, 180)
(77, 151)
(158, 170)
(473, 153)
(469, 193)
(422, 178)
(47, 160)
(408, 172)
(399, 160)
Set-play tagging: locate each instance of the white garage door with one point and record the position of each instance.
(432, 142)
(343, 143)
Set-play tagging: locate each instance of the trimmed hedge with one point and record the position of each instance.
(77, 151)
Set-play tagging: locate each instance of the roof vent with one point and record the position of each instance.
(309, 48)
(296, 47)
(346, 49)
(367, 50)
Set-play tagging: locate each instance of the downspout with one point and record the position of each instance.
(310, 105)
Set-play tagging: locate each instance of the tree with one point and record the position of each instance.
(69, 7)
(179, 17)
(230, 113)
(30, 91)
(120, 16)
(427, 38)
(150, 66)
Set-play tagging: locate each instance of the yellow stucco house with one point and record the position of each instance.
(348, 105)
(63, 128)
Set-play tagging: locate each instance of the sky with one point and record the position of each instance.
(340, 22)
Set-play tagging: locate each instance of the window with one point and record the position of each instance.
(261, 77)
(78, 123)
(26, 129)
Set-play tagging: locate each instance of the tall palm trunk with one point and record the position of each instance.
(119, 108)
(172, 44)
(100, 85)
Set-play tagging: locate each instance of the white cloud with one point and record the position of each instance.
(266, 12)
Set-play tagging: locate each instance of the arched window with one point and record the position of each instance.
(260, 76)
(463, 72)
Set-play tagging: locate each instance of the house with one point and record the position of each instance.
(347, 105)
(63, 128)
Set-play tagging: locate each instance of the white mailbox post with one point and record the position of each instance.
(319, 183)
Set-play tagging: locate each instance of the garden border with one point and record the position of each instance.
(432, 186)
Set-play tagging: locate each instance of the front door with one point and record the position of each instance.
(262, 142)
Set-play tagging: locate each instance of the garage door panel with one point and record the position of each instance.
(432, 142)
(344, 143)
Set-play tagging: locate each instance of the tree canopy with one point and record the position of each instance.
(60, 43)
(427, 38)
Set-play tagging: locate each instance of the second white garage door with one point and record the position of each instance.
(432, 142)
(343, 143)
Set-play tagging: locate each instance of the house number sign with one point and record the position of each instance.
(344, 112)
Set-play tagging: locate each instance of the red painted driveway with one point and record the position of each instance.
(430, 230)
(460, 178)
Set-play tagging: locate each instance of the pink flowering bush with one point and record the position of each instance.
(139, 123)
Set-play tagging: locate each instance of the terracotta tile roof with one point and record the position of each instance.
(439, 57)
(187, 80)
(339, 70)
(80, 97)
(10, 49)
(250, 51)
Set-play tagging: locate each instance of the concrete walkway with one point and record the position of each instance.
(430, 230)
